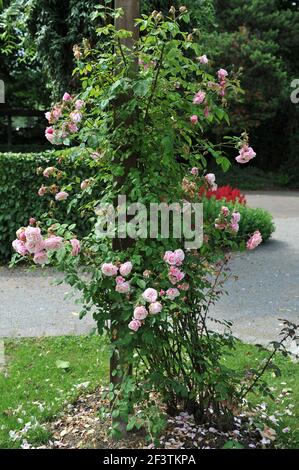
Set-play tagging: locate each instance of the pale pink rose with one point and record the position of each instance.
(170, 258)
(53, 243)
(123, 288)
(76, 246)
(79, 104)
(34, 240)
(49, 134)
(210, 178)
(185, 286)
(254, 241)
(155, 308)
(66, 97)
(42, 191)
(108, 269)
(162, 292)
(119, 279)
(180, 256)
(72, 127)
(41, 258)
(203, 59)
(76, 116)
(235, 227)
(225, 211)
(134, 325)
(220, 226)
(56, 113)
(95, 155)
(32, 221)
(61, 196)
(126, 268)
(199, 97)
(147, 273)
(222, 74)
(48, 116)
(140, 313)
(85, 184)
(194, 119)
(172, 293)
(20, 233)
(150, 295)
(236, 217)
(49, 171)
(175, 275)
(246, 154)
(194, 171)
(19, 247)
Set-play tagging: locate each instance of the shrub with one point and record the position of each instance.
(18, 191)
(251, 219)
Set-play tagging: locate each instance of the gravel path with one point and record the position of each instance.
(267, 288)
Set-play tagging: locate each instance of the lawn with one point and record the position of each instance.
(44, 375)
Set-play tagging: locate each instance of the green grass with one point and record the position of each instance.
(33, 389)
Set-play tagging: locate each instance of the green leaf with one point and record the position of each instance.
(62, 364)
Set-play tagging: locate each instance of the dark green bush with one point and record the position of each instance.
(251, 219)
(19, 184)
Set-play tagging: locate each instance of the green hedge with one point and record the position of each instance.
(251, 219)
(19, 184)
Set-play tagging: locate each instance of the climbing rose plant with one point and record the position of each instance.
(141, 124)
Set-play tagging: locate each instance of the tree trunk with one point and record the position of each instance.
(118, 361)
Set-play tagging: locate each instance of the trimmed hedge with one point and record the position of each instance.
(19, 184)
(251, 219)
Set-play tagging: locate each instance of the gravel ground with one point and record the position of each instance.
(267, 288)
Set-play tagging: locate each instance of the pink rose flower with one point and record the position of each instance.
(254, 241)
(126, 268)
(175, 275)
(172, 293)
(72, 127)
(108, 269)
(185, 286)
(134, 325)
(210, 178)
(199, 97)
(42, 191)
(76, 246)
(235, 227)
(56, 113)
(53, 243)
(180, 256)
(194, 171)
(48, 116)
(225, 211)
(34, 240)
(194, 119)
(246, 154)
(155, 307)
(174, 258)
(140, 313)
(41, 258)
(19, 247)
(48, 171)
(203, 59)
(76, 116)
(32, 221)
(85, 184)
(119, 279)
(222, 74)
(236, 217)
(61, 196)
(79, 104)
(150, 295)
(49, 134)
(20, 233)
(123, 288)
(66, 97)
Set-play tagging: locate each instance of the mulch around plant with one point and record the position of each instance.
(81, 427)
